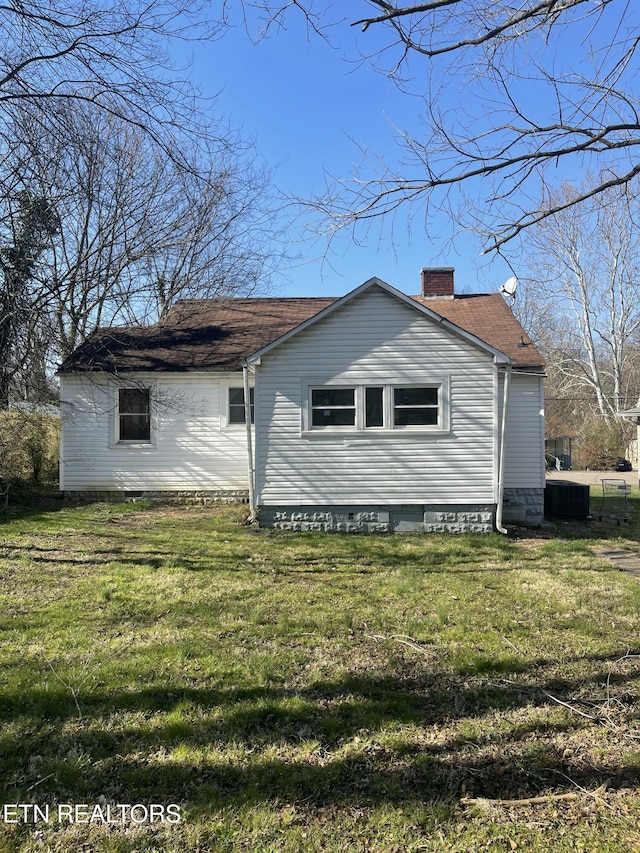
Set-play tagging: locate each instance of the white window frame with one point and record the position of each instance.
(430, 407)
(226, 405)
(354, 407)
(440, 383)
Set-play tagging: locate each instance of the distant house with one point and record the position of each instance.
(376, 411)
(559, 451)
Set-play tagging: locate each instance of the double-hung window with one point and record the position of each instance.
(236, 411)
(415, 406)
(134, 414)
(378, 407)
(333, 407)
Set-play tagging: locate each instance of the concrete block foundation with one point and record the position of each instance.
(524, 507)
(411, 518)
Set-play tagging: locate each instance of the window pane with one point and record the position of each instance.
(236, 396)
(236, 414)
(134, 401)
(333, 397)
(134, 428)
(134, 414)
(333, 417)
(374, 409)
(415, 417)
(236, 405)
(415, 396)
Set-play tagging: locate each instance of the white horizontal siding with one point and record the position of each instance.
(524, 456)
(375, 338)
(190, 449)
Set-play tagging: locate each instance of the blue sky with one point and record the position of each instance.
(309, 110)
(313, 112)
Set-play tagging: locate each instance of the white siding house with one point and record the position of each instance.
(524, 476)
(190, 446)
(376, 411)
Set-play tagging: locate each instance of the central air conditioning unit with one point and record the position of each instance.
(563, 499)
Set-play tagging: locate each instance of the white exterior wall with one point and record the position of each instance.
(370, 340)
(524, 457)
(191, 448)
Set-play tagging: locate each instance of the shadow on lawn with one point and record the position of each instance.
(338, 553)
(360, 739)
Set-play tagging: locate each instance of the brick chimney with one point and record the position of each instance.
(437, 282)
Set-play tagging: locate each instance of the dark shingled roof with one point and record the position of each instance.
(219, 334)
(488, 317)
(196, 334)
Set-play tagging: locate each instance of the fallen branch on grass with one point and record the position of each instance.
(535, 801)
(88, 670)
(403, 639)
(526, 801)
(70, 687)
(570, 707)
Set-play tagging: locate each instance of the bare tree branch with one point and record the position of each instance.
(513, 95)
(135, 230)
(112, 54)
(584, 281)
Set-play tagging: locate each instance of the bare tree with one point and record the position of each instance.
(513, 95)
(32, 222)
(584, 287)
(111, 54)
(134, 228)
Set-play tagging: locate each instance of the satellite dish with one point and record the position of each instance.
(509, 287)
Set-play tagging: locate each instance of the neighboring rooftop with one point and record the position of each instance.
(219, 334)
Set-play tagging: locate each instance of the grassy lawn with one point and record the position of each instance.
(315, 692)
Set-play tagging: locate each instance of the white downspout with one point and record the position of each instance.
(501, 455)
(253, 516)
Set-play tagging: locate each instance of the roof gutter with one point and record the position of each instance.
(502, 448)
(253, 515)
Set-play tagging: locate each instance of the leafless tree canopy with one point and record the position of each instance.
(113, 53)
(121, 190)
(517, 96)
(98, 226)
(583, 300)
